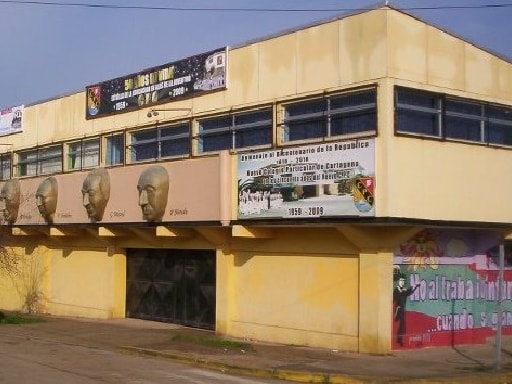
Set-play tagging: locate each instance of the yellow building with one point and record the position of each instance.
(274, 190)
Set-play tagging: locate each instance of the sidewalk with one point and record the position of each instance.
(461, 364)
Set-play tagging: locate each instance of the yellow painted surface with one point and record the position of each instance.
(376, 305)
(296, 299)
(445, 52)
(362, 47)
(82, 283)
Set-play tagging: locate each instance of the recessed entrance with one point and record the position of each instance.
(171, 285)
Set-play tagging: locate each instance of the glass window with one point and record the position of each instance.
(157, 143)
(499, 125)
(237, 131)
(430, 114)
(464, 121)
(335, 115)
(114, 153)
(40, 161)
(418, 112)
(5, 166)
(175, 141)
(83, 154)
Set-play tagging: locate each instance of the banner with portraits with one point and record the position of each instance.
(189, 77)
(162, 192)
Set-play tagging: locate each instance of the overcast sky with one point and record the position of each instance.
(51, 50)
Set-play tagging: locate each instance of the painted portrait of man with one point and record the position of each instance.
(96, 193)
(153, 188)
(10, 200)
(46, 198)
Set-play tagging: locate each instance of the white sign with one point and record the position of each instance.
(11, 120)
(328, 179)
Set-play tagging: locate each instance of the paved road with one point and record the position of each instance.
(25, 359)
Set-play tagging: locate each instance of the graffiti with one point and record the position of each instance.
(421, 251)
(452, 291)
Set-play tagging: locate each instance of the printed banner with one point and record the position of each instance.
(185, 78)
(446, 289)
(11, 120)
(331, 179)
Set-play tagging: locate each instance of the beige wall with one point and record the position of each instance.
(427, 55)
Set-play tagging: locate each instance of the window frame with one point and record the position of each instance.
(158, 140)
(328, 115)
(107, 154)
(485, 121)
(82, 153)
(233, 130)
(6, 158)
(40, 161)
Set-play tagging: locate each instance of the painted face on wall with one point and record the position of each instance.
(46, 199)
(10, 200)
(153, 187)
(96, 193)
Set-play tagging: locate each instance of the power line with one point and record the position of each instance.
(201, 9)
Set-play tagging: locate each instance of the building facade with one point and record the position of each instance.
(333, 186)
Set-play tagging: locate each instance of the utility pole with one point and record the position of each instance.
(500, 305)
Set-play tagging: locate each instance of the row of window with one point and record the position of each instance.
(332, 116)
(436, 115)
(350, 113)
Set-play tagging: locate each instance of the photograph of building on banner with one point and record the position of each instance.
(329, 179)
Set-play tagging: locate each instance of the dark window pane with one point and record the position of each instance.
(148, 135)
(219, 122)
(462, 128)
(499, 134)
(418, 99)
(144, 151)
(176, 147)
(453, 106)
(355, 123)
(417, 122)
(500, 113)
(354, 99)
(216, 142)
(253, 137)
(302, 130)
(305, 108)
(259, 117)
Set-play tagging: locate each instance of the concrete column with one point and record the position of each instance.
(375, 302)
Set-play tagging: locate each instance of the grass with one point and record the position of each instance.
(209, 341)
(18, 319)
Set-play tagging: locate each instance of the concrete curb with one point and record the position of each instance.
(295, 376)
(317, 377)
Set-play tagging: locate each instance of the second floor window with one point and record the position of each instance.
(83, 154)
(5, 166)
(114, 148)
(347, 114)
(237, 131)
(40, 161)
(435, 115)
(161, 142)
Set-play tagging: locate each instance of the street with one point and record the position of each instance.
(25, 359)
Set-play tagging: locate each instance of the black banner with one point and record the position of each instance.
(185, 78)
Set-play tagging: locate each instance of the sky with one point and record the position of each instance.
(55, 47)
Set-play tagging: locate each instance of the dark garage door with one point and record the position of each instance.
(171, 285)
